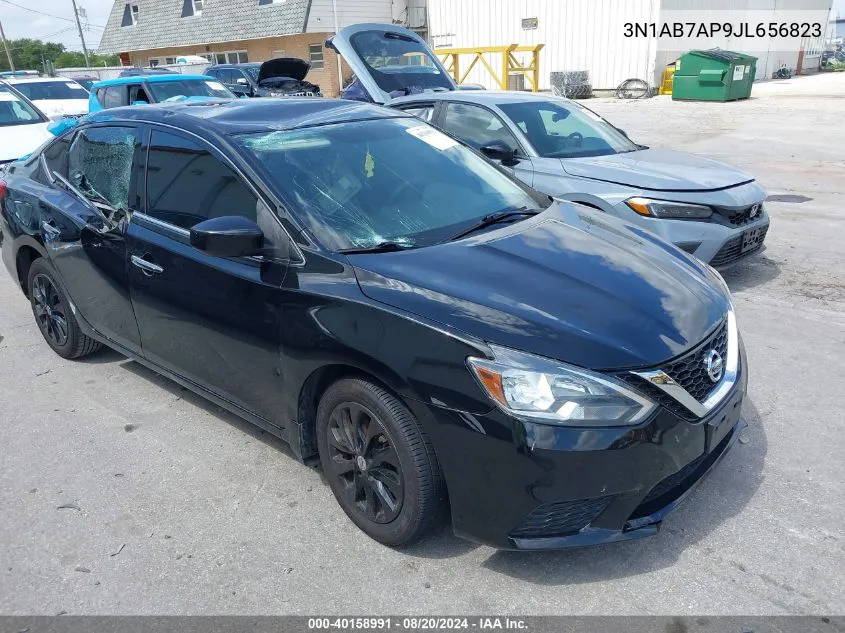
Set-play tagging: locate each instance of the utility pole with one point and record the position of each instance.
(81, 37)
(6, 46)
(339, 59)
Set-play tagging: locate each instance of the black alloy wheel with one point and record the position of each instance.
(48, 309)
(378, 461)
(365, 462)
(53, 314)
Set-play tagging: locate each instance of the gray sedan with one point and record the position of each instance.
(708, 208)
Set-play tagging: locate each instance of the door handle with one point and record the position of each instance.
(147, 267)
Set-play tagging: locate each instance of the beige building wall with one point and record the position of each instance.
(261, 50)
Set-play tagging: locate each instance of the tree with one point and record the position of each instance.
(30, 55)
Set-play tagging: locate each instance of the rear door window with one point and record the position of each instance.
(100, 165)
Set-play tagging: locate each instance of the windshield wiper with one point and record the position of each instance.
(381, 247)
(494, 218)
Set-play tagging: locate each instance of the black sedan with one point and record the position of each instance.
(354, 281)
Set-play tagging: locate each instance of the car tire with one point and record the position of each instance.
(53, 313)
(378, 462)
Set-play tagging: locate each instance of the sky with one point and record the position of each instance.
(20, 19)
(25, 18)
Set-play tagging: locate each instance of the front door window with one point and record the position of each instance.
(476, 126)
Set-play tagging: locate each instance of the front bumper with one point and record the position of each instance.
(522, 485)
(718, 243)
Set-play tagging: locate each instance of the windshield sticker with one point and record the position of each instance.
(75, 87)
(431, 136)
(369, 164)
(214, 85)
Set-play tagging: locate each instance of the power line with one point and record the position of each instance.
(49, 15)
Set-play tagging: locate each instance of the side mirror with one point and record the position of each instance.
(241, 81)
(498, 150)
(228, 236)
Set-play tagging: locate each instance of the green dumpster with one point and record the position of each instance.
(714, 75)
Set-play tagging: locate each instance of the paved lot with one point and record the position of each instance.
(176, 507)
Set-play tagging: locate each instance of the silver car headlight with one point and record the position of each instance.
(530, 386)
(669, 209)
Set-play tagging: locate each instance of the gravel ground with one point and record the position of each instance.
(121, 493)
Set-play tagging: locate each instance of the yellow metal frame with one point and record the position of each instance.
(450, 57)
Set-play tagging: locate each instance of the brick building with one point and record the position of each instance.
(156, 32)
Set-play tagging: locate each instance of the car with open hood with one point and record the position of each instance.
(392, 304)
(279, 77)
(706, 207)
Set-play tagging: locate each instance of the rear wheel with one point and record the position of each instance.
(53, 315)
(379, 463)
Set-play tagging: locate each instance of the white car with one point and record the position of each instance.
(56, 97)
(23, 128)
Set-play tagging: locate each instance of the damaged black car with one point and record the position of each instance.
(443, 339)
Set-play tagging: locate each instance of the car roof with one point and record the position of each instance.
(481, 97)
(119, 81)
(240, 65)
(234, 116)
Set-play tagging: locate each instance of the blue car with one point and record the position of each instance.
(144, 89)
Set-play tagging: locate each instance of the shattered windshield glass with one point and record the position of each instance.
(399, 63)
(364, 183)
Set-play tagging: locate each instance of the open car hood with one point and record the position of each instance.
(397, 79)
(292, 67)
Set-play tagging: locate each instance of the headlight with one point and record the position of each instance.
(668, 209)
(534, 387)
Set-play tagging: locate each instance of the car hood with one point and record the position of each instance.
(658, 169)
(292, 67)
(57, 108)
(20, 140)
(570, 284)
